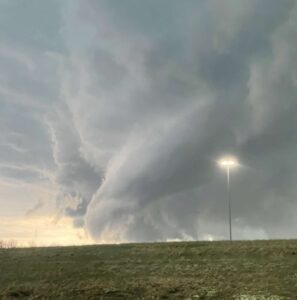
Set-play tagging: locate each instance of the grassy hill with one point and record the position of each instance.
(198, 270)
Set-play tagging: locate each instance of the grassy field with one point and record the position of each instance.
(198, 270)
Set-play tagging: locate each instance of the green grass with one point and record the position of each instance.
(198, 270)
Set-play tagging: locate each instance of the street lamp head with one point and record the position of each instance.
(228, 162)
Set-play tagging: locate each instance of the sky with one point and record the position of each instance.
(113, 115)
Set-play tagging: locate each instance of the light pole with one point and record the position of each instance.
(228, 164)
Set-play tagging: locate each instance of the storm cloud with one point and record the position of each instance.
(125, 107)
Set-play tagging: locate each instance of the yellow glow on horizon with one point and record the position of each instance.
(42, 231)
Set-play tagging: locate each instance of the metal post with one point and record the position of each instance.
(229, 202)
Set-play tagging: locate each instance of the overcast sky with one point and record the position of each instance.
(113, 115)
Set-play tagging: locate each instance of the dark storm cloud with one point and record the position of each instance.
(76, 179)
(208, 58)
(28, 88)
(148, 97)
(36, 24)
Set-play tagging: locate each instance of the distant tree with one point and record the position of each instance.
(11, 244)
(32, 244)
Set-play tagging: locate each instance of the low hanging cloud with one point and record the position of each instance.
(77, 181)
(167, 101)
(148, 96)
